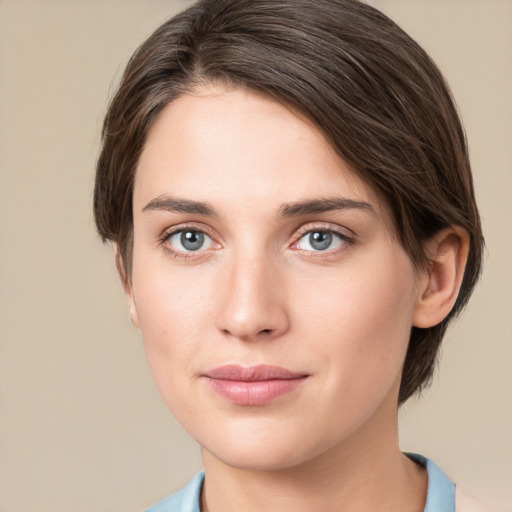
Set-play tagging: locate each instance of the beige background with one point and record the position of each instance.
(81, 425)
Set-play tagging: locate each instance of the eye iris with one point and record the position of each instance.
(192, 240)
(320, 240)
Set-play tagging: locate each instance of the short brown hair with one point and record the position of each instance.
(376, 95)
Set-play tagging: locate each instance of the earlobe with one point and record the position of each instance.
(134, 319)
(127, 287)
(440, 282)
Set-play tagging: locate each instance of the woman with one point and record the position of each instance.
(288, 190)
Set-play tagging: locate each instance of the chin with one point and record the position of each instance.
(255, 451)
(258, 458)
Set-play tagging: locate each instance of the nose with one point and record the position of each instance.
(252, 305)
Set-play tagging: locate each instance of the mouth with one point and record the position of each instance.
(254, 385)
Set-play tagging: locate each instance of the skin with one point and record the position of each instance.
(232, 164)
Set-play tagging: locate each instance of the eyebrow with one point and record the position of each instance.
(306, 207)
(311, 206)
(174, 204)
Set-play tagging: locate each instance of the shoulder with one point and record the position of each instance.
(444, 495)
(185, 500)
(464, 502)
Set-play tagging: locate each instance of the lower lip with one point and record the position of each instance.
(254, 392)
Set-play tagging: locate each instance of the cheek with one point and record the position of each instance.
(174, 313)
(362, 321)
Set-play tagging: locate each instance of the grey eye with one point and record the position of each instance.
(190, 240)
(320, 241)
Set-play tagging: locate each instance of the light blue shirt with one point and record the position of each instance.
(440, 492)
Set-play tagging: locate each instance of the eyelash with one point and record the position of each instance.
(346, 240)
(182, 255)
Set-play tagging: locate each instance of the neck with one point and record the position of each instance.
(364, 472)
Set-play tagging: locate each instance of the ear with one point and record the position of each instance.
(127, 286)
(439, 284)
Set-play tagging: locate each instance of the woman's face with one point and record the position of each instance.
(275, 305)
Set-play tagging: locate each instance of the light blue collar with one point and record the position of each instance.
(440, 493)
(441, 490)
(186, 500)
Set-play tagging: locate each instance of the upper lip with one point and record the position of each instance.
(252, 373)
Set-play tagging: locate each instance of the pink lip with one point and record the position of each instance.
(255, 385)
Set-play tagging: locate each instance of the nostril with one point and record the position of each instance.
(266, 331)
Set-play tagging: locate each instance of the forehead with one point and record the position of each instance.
(231, 145)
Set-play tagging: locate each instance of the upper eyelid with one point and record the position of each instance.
(325, 226)
(191, 226)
